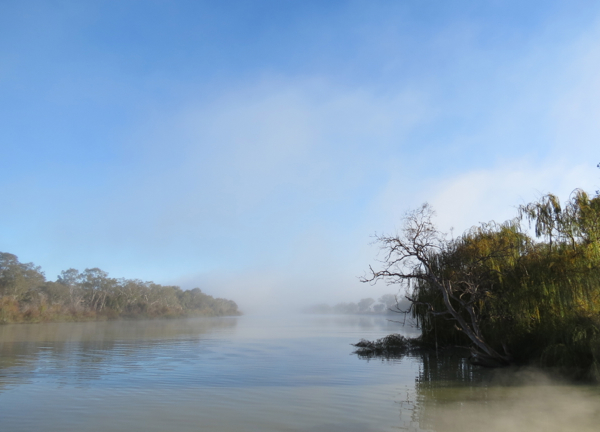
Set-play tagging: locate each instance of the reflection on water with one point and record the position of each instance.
(79, 352)
(261, 374)
(506, 400)
(450, 395)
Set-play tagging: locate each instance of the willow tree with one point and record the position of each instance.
(563, 281)
(448, 279)
(510, 296)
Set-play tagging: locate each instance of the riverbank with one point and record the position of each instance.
(91, 295)
(11, 312)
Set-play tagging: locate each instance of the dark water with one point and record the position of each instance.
(287, 373)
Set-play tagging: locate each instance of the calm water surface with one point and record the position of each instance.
(287, 373)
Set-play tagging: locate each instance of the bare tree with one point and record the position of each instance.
(420, 255)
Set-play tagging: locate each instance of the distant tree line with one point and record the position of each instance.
(26, 296)
(386, 304)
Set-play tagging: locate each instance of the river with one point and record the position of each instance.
(253, 373)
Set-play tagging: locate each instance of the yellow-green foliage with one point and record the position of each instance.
(538, 296)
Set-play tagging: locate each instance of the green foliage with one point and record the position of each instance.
(536, 298)
(391, 346)
(17, 280)
(26, 296)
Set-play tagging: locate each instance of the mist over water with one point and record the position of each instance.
(535, 407)
(259, 373)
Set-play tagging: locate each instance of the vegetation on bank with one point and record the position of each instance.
(511, 296)
(26, 296)
(393, 345)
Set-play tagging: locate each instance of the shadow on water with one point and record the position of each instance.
(451, 395)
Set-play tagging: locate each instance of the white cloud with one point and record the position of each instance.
(480, 196)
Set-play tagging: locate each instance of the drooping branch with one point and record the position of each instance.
(418, 255)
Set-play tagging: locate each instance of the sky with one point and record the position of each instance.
(253, 148)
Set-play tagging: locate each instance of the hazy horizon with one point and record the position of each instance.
(252, 149)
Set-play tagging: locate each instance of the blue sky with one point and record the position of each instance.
(253, 147)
